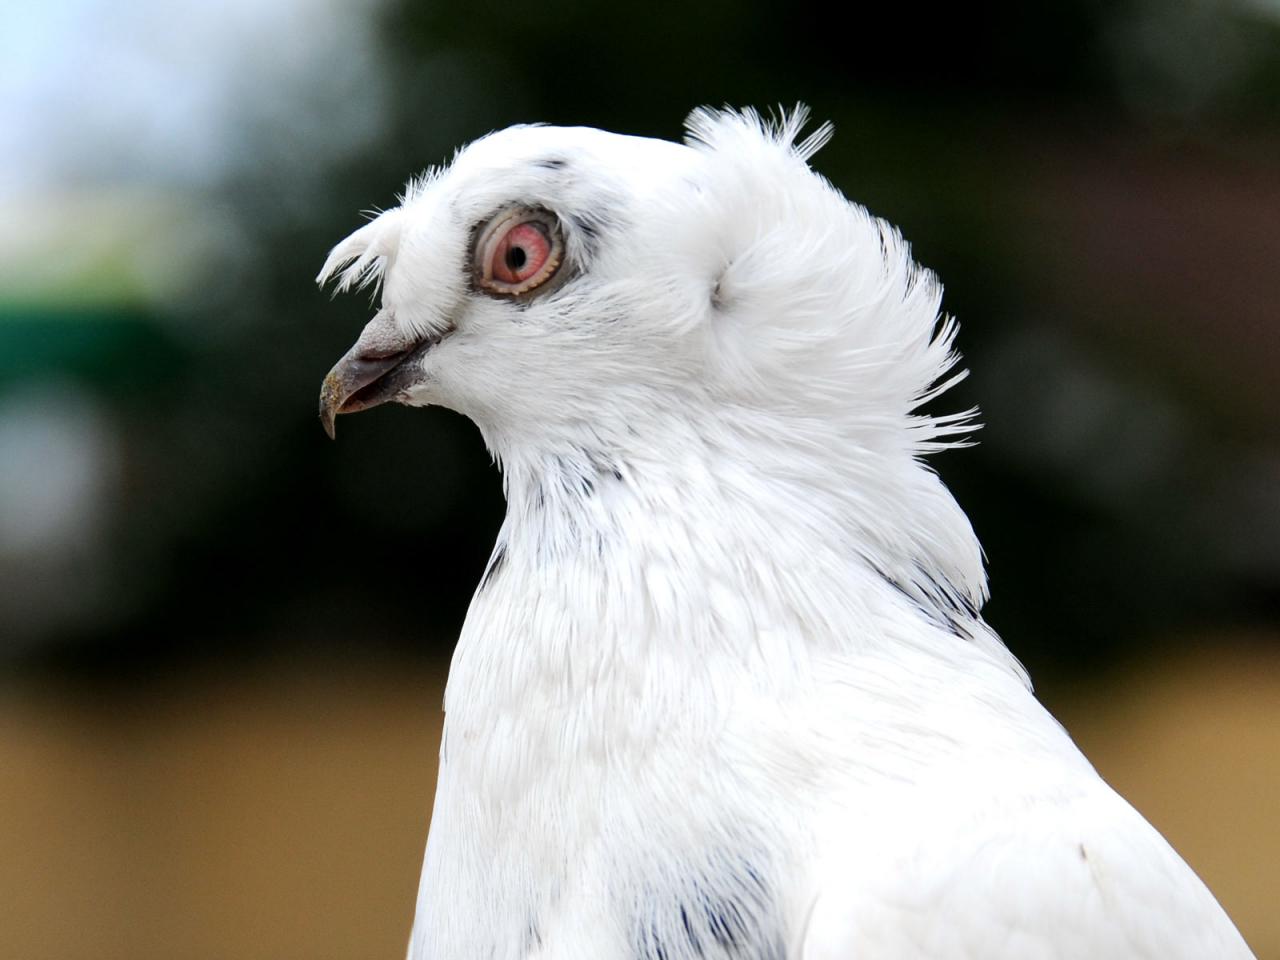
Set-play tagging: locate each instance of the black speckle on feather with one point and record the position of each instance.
(588, 229)
(938, 601)
(495, 564)
(532, 937)
(715, 925)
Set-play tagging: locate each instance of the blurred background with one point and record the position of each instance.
(223, 638)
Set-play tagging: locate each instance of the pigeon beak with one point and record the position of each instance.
(377, 368)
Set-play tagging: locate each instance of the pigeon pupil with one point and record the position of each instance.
(516, 258)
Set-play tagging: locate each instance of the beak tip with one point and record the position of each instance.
(330, 400)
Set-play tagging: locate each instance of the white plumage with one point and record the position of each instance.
(725, 690)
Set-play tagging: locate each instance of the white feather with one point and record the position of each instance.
(725, 691)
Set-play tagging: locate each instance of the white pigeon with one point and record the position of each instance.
(724, 690)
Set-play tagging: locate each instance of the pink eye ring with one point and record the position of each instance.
(517, 252)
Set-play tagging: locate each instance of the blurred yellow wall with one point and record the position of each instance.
(284, 816)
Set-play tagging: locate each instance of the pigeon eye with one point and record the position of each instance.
(517, 252)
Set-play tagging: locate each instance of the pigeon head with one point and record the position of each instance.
(710, 312)
(534, 278)
(551, 281)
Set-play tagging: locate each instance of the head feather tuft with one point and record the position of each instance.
(361, 258)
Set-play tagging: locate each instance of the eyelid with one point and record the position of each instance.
(490, 237)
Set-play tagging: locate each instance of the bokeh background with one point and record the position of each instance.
(223, 638)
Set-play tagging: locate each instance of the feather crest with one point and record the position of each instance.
(361, 258)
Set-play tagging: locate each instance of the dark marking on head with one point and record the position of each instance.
(551, 163)
(587, 228)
